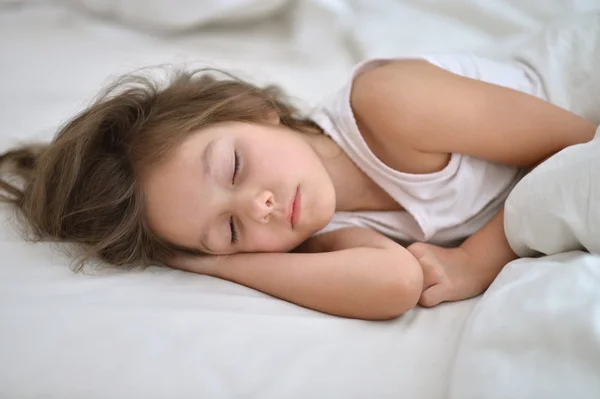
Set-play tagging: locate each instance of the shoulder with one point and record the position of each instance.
(394, 107)
(398, 87)
(413, 102)
(377, 81)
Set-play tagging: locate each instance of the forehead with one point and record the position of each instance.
(191, 149)
(171, 191)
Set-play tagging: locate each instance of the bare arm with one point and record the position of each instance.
(417, 105)
(361, 275)
(424, 113)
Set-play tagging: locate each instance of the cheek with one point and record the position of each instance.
(270, 240)
(278, 156)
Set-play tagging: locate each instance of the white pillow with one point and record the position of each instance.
(556, 208)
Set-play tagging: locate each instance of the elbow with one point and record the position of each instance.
(403, 286)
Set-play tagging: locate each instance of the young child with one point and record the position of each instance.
(216, 176)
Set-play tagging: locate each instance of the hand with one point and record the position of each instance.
(448, 274)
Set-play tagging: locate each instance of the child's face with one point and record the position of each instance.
(193, 199)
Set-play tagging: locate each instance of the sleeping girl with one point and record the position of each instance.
(386, 196)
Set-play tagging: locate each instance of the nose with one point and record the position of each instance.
(261, 206)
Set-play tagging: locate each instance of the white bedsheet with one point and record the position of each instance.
(167, 334)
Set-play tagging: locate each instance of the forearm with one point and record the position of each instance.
(488, 250)
(366, 283)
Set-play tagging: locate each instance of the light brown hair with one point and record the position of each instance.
(83, 186)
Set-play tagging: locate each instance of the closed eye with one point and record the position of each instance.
(236, 165)
(236, 169)
(234, 234)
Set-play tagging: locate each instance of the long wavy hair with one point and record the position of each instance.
(83, 186)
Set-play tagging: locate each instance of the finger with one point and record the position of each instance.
(429, 280)
(433, 295)
(433, 273)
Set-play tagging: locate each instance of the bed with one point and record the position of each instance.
(161, 333)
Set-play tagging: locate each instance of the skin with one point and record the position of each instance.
(200, 199)
(413, 116)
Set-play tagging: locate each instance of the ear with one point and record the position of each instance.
(272, 117)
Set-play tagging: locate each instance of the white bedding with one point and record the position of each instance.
(166, 334)
(536, 331)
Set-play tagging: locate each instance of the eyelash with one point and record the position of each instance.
(236, 166)
(234, 234)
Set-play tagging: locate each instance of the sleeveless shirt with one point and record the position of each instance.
(443, 207)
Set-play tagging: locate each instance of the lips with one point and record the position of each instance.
(293, 213)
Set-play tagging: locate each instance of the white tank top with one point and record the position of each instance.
(443, 207)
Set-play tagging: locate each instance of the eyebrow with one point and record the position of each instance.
(206, 156)
(206, 166)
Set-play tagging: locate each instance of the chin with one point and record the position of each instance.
(325, 218)
(316, 227)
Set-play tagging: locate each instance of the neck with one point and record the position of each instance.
(351, 185)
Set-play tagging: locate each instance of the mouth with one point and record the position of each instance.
(293, 213)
